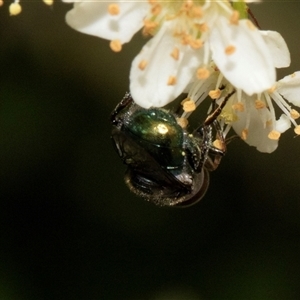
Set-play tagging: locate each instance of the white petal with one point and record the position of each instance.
(149, 86)
(258, 130)
(250, 67)
(289, 88)
(283, 123)
(93, 18)
(278, 48)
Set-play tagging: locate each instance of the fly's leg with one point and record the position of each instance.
(215, 153)
(125, 102)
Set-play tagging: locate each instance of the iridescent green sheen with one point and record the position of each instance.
(158, 131)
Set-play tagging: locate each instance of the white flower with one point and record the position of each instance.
(186, 34)
(253, 117)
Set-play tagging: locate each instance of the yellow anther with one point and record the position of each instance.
(142, 65)
(272, 89)
(297, 130)
(149, 27)
(48, 2)
(214, 94)
(171, 80)
(202, 73)
(269, 123)
(235, 17)
(187, 5)
(202, 27)
(196, 44)
(259, 104)
(115, 45)
(293, 75)
(175, 53)
(274, 135)
(182, 122)
(230, 50)
(156, 9)
(185, 100)
(113, 9)
(15, 9)
(294, 114)
(239, 106)
(186, 39)
(189, 105)
(244, 134)
(197, 12)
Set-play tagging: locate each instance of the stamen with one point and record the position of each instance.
(214, 94)
(115, 45)
(175, 53)
(297, 129)
(149, 27)
(220, 78)
(274, 135)
(48, 2)
(189, 105)
(203, 73)
(187, 5)
(271, 107)
(196, 44)
(15, 9)
(272, 89)
(183, 122)
(186, 39)
(171, 80)
(269, 123)
(234, 19)
(197, 12)
(283, 106)
(229, 50)
(244, 134)
(239, 106)
(156, 9)
(142, 65)
(259, 104)
(202, 27)
(113, 9)
(294, 114)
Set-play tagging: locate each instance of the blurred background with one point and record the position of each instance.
(70, 229)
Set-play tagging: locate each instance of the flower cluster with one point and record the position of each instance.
(204, 46)
(252, 117)
(187, 35)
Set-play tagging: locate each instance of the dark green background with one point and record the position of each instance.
(69, 227)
